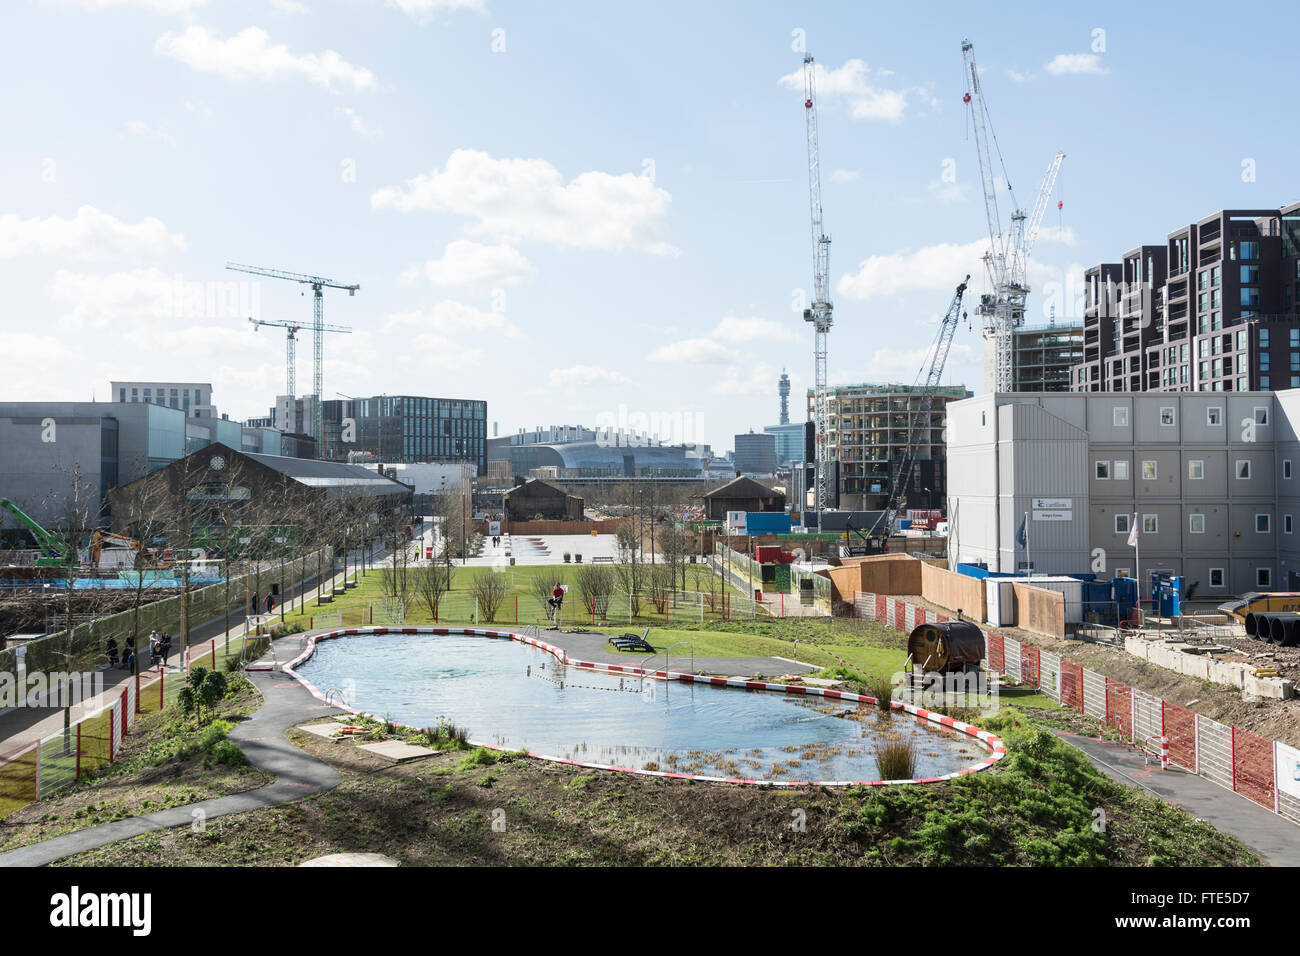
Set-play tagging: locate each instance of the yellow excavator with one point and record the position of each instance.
(141, 557)
(1258, 602)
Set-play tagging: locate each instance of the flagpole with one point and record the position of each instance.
(1137, 560)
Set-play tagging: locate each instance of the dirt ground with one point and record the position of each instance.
(450, 810)
(1275, 719)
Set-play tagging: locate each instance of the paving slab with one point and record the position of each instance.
(397, 751)
(352, 859)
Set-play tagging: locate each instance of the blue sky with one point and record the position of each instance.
(583, 211)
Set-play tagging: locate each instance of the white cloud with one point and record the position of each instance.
(694, 352)
(450, 317)
(849, 82)
(90, 235)
(932, 268)
(756, 380)
(465, 262)
(1017, 77)
(734, 329)
(846, 175)
(585, 376)
(157, 6)
(946, 192)
(355, 121)
(289, 6)
(142, 130)
(422, 10)
(521, 199)
(250, 54)
(1066, 63)
(903, 365)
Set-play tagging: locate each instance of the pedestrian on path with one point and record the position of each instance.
(270, 604)
(111, 647)
(252, 608)
(165, 648)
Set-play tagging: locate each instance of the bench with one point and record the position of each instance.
(602, 559)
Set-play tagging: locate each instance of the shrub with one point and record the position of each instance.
(482, 757)
(227, 753)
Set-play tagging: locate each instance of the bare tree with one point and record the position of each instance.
(596, 584)
(432, 582)
(489, 593)
(629, 568)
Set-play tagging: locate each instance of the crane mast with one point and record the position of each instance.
(919, 421)
(291, 348)
(318, 285)
(820, 313)
(1007, 261)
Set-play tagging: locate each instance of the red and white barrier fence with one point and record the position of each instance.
(1262, 770)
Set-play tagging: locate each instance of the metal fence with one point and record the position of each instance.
(1264, 771)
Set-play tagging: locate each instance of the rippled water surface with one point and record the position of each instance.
(507, 693)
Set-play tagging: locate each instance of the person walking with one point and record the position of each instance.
(270, 604)
(252, 608)
(111, 647)
(165, 648)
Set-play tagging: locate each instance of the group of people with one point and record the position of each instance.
(160, 648)
(496, 541)
(268, 602)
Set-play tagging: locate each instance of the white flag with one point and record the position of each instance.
(1133, 533)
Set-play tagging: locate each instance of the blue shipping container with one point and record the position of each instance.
(767, 522)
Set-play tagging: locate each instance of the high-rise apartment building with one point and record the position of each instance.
(1042, 357)
(193, 398)
(1215, 308)
(407, 428)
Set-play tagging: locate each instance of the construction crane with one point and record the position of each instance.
(57, 553)
(318, 285)
(291, 348)
(1007, 261)
(918, 426)
(819, 314)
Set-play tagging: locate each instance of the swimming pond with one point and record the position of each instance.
(512, 695)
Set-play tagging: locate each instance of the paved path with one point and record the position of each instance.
(261, 737)
(1274, 838)
(594, 647)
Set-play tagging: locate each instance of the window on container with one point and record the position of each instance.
(1214, 415)
(1166, 415)
(1263, 524)
(1261, 414)
(1121, 471)
(1103, 471)
(1243, 468)
(1120, 416)
(1216, 577)
(1264, 577)
(1150, 524)
(1286, 524)
(1121, 572)
(1122, 525)
(1286, 467)
(1196, 469)
(1196, 524)
(1148, 471)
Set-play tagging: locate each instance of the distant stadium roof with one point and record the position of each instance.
(329, 474)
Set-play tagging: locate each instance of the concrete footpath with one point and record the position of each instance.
(1274, 838)
(261, 737)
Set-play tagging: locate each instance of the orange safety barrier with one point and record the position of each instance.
(1072, 685)
(1252, 767)
(1180, 729)
(1030, 666)
(997, 653)
(1119, 707)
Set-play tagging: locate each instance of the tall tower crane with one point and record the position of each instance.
(919, 424)
(291, 348)
(819, 314)
(318, 326)
(1007, 260)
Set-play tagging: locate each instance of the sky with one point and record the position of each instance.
(586, 213)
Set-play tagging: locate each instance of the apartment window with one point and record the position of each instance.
(1148, 471)
(1264, 362)
(1122, 525)
(1214, 276)
(1293, 335)
(1214, 415)
(1248, 250)
(1261, 414)
(1249, 296)
(1264, 383)
(1250, 274)
(1263, 524)
(121, 395)
(1121, 471)
(1120, 416)
(1216, 577)
(1243, 467)
(1196, 469)
(1264, 577)
(1166, 415)
(1150, 524)
(1241, 385)
(1196, 524)
(1103, 471)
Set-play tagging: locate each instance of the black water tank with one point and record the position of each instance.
(947, 647)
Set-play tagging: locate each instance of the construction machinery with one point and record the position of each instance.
(876, 539)
(820, 312)
(57, 554)
(318, 285)
(291, 348)
(106, 551)
(1007, 261)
